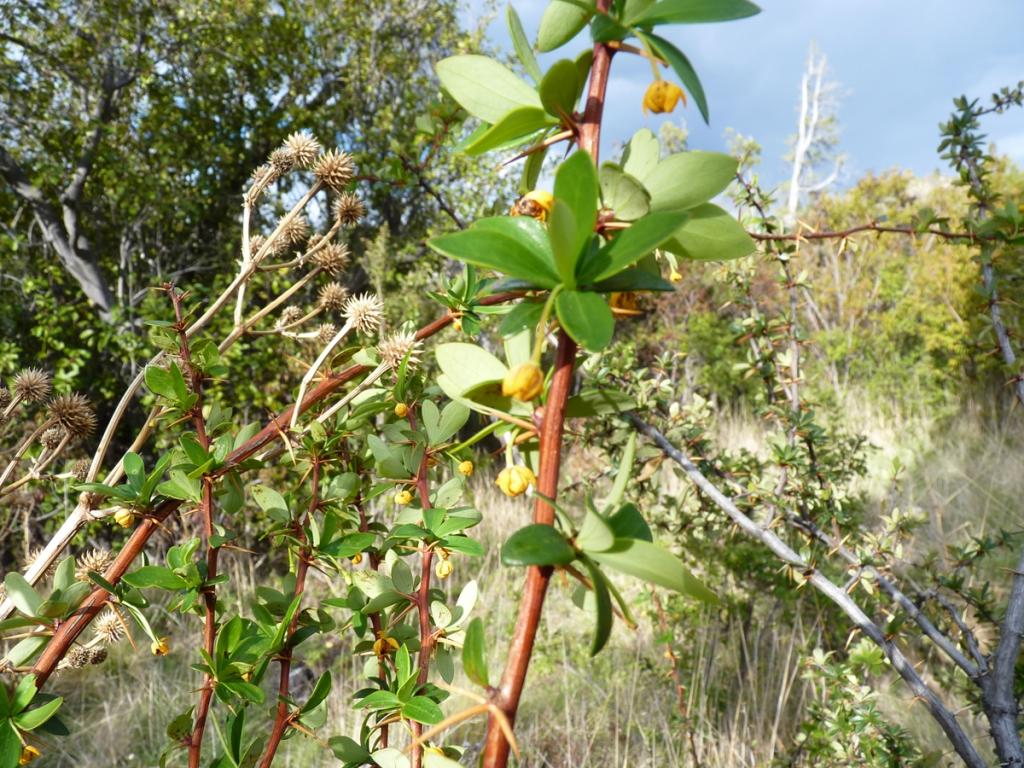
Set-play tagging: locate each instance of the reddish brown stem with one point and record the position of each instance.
(76, 624)
(375, 623)
(508, 694)
(282, 717)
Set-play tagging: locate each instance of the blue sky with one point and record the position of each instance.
(898, 64)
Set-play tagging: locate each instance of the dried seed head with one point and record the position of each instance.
(5, 397)
(289, 316)
(364, 312)
(396, 347)
(97, 655)
(51, 437)
(326, 332)
(296, 231)
(32, 385)
(334, 169)
(332, 296)
(97, 560)
(304, 148)
(261, 172)
(255, 243)
(76, 658)
(348, 209)
(74, 413)
(108, 627)
(80, 469)
(282, 159)
(332, 258)
(34, 555)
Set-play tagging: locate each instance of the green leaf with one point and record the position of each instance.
(134, 469)
(379, 700)
(650, 562)
(603, 604)
(683, 68)
(24, 692)
(22, 594)
(520, 123)
(562, 234)
(710, 234)
(64, 576)
(26, 650)
(348, 750)
(623, 194)
(474, 656)
(181, 486)
(687, 179)
(522, 45)
(628, 523)
(10, 745)
(622, 476)
(468, 366)
(694, 12)
(320, 692)
(537, 544)
(631, 245)
(561, 22)
(422, 710)
(642, 154)
(558, 89)
(505, 244)
(31, 719)
(634, 279)
(595, 534)
(483, 87)
(586, 318)
(598, 402)
(155, 576)
(577, 184)
(160, 381)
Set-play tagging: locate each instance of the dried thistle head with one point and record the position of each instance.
(332, 296)
(290, 316)
(80, 469)
(332, 258)
(304, 148)
(334, 168)
(51, 437)
(348, 209)
(326, 332)
(262, 174)
(296, 231)
(34, 555)
(282, 159)
(96, 559)
(32, 385)
(398, 347)
(108, 627)
(255, 243)
(364, 312)
(5, 397)
(74, 413)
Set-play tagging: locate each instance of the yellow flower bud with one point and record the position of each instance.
(357, 559)
(160, 647)
(444, 568)
(401, 410)
(536, 204)
(674, 276)
(662, 96)
(124, 517)
(384, 644)
(624, 304)
(457, 323)
(514, 481)
(28, 754)
(466, 468)
(402, 498)
(524, 382)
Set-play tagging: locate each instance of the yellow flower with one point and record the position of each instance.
(466, 468)
(444, 568)
(514, 481)
(524, 382)
(160, 647)
(28, 754)
(674, 276)
(402, 498)
(357, 559)
(457, 323)
(124, 517)
(662, 96)
(624, 304)
(384, 644)
(536, 204)
(401, 410)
